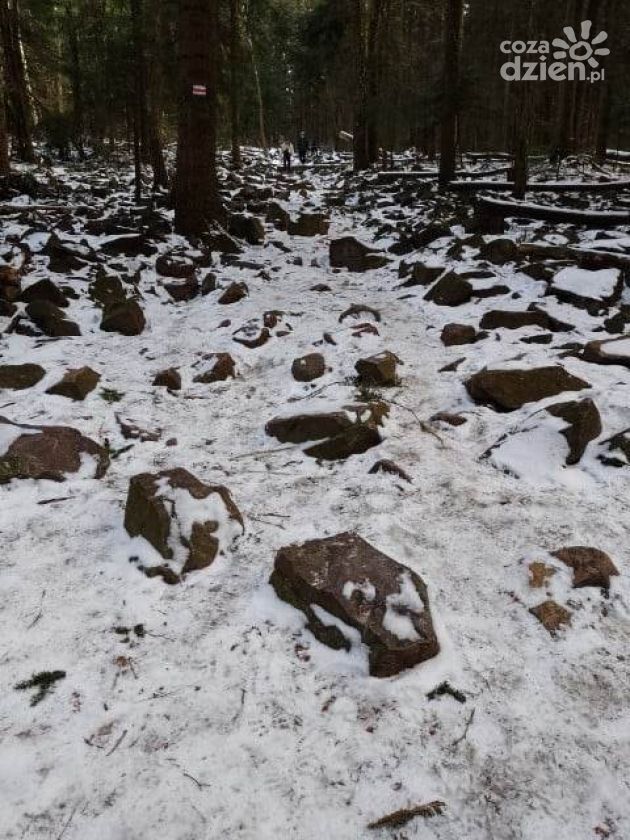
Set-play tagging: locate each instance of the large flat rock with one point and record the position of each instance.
(345, 579)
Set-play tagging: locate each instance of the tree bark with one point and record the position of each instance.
(235, 50)
(197, 201)
(360, 132)
(76, 81)
(453, 25)
(5, 165)
(15, 79)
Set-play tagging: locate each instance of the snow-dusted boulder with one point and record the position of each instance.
(615, 351)
(186, 521)
(76, 384)
(590, 290)
(549, 440)
(47, 452)
(351, 593)
(349, 431)
(509, 389)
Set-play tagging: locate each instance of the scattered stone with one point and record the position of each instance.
(540, 574)
(499, 251)
(44, 290)
(423, 275)
(452, 366)
(10, 283)
(51, 320)
(450, 419)
(353, 441)
(308, 367)
(590, 290)
(455, 334)
(76, 384)
(183, 290)
(186, 521)
(64, 257)
(278, 216)
(106, 289)
(591, 567)
(309, 224)
(497, 319)
(507, 390)
(126, 318)
(249, 228)
(251, 337)
(131, 431)
(223, 368)
(349, 253)
(450, 290)
(175, 265)
(20, 377)
(234, 293)
(219, 240)
(552, 616)
(359, 309)
(379, 370)
(584, 425)
(129, 245)
(300, 428)
(169, 378)
(383, 603)
(612, 351)
(386, 466)
(46, 452)
(208, 284)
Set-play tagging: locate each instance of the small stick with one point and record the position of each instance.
(40, 611)
(118, 742)
(199, 784)
(67, 824)
(315, 393)
(265, 452)
(423, 424)
(466, 728)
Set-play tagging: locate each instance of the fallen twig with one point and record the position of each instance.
(39, 612)
(67, 823)
(265, 452)
(466, 728)
(405, 815)
(423, 424)
(316, 392)
(199, 784)
(118, 742)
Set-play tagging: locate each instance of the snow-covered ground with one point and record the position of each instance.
(224, 718)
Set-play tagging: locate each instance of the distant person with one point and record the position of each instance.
(287, 153)
(302, 147)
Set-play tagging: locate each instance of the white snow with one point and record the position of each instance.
(284, 738)
(620, 347)
(595, 285)
(366, 589)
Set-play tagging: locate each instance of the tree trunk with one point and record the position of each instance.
(197, 201)
(15, 79)
(155, 151)
(76, 82)
(360, 132)
(373, 71)
(5, 167)
(453, 25)
(235, 44)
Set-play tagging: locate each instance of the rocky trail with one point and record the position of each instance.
(318, 519)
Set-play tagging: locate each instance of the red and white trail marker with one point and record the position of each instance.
(199, 90)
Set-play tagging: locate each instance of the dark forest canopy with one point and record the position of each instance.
(296, 66)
